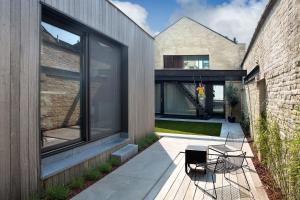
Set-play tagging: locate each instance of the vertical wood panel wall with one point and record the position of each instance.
(102, 16)
(19, 82)
(19, 61)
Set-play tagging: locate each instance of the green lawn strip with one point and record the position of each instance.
(180, 127)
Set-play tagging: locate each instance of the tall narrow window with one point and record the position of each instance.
(218, 100)
(105, 87)
(157, 97)
(60, 84)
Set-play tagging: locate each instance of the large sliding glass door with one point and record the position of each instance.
(60, 86)
(104, 87)
(175, 102)
(83, 84)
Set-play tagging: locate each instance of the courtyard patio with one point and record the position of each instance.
(159, 173)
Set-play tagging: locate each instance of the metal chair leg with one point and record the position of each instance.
(205, 191)
(247, 188)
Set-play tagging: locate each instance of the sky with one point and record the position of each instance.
(231, 18)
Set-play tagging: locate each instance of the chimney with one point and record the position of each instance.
(234, 40)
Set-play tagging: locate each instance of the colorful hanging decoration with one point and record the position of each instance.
(201, 90)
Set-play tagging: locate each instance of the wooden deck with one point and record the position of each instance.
(175, 184)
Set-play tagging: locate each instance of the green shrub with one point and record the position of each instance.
(232, 96)
(280, 156)
(58, 192)
(77, 183)
(151, 138)
(142, 144)
(92, 175)
(105, 167)
(114, 161)
(147, 141)
(245, 123)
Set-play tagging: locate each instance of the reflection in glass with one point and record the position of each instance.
(157, 98)
(196, 62)
(60, 85)
(176, 103)
(218, 101)
(105, 88)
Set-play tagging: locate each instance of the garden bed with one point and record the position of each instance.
(273, 191)
(60, 192)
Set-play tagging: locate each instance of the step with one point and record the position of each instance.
(125, 153)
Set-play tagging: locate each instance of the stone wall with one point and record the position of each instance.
(60, 87)
(276, 50)
(187, 37)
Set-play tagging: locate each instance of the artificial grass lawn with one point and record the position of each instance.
(195, 128)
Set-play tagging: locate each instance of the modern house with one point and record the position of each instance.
(189, 54)
(76, 83)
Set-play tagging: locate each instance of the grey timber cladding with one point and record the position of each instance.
(19, 82)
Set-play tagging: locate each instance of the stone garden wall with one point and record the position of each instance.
(276, 50)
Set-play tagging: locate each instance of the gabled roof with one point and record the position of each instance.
(185, 17)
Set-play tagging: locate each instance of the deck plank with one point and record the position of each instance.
(166, 176)
(176, 184)
(183, 187)
(165, 189)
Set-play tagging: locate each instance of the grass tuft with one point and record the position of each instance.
(58, 192)
(92, 175)
(105, 167)
(142, 144)
(77, 183)
(114, 161)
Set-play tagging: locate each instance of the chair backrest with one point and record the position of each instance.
(235, 161)
(235, 140)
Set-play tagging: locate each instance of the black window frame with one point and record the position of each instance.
(65, 22)
(174, 61)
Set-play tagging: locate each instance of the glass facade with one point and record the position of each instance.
(196, 62)
(105, 88)
(218, 100)
(157, 98)
(60, 83)
(175, 102)
(186, 61)
(83, 85)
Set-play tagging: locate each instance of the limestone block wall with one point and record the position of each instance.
(276, 49)
(187, 37)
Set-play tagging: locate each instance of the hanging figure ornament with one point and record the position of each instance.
(201, 90)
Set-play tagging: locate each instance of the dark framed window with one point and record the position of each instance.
(186, 61)
(83, 84)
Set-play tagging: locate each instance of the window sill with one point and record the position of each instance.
(58, 163)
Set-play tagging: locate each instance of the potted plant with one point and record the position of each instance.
(232, 96)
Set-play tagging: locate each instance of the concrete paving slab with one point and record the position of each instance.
(141, 176)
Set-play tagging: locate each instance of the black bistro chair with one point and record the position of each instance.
(233, 143)
(224, 165)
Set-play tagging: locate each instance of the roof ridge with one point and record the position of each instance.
(189, 18)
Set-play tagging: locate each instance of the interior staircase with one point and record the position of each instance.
(191, 98)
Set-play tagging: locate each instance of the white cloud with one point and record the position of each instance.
(237, 18)
(136, 12)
